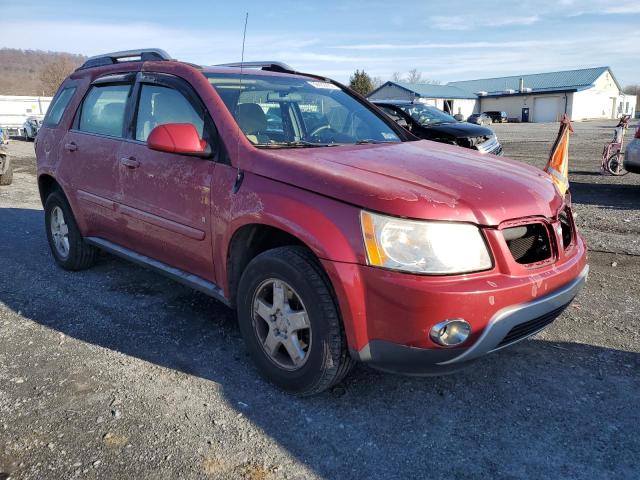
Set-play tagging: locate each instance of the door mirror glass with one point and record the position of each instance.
(179, 138)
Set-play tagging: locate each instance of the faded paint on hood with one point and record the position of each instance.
(424, 180)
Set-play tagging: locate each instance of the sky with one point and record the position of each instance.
(445, 40)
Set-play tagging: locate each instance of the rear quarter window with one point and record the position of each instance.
(58, 107)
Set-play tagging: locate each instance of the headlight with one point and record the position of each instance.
(423, 246)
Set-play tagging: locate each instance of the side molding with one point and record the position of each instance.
(193, 281)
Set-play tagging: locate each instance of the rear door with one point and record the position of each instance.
(166, 196)
(89, 162)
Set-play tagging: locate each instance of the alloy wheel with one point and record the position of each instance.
(59, 232)
(281, 324)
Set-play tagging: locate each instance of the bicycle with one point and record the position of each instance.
(613, 153)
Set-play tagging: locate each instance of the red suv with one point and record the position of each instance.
(336, 234)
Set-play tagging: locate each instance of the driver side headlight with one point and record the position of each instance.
(436, 248)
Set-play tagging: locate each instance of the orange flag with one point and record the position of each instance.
(558, 164)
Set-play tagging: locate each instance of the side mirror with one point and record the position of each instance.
(458, 117)
(180, 138)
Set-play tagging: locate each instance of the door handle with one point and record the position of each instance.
(71, 146)
(130, 162)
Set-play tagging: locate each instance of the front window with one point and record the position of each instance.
(275, 111)
(425, 115)
(161, 105)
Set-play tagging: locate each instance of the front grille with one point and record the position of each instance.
(567, 229)
(532, 326)
(528, 243)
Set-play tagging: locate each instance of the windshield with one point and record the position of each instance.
(426, 115)
(298, 112)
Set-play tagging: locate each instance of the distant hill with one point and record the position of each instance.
(22, 71)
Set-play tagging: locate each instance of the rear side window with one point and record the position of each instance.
(56, 110)
(159, 105)
(103, 110)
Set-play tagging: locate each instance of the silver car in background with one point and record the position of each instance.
(632, 154)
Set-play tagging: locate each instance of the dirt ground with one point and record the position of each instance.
(117, 372)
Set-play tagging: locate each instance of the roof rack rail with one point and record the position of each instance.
(278, 66)
(145, 54)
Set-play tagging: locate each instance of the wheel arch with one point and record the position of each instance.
(47, 184)
(247, 242)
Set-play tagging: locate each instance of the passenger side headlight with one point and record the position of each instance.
(423, 246)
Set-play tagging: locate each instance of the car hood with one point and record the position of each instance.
(461, 130)
(420, 179)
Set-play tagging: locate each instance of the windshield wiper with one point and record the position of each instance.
(430, 124)
(369, 140)
(296, 144)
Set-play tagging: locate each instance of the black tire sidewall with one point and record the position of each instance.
(7, 177)
(57, 199)
(266, 267)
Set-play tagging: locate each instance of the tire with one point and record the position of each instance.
(7, 177)
(79, 255)
(615, 165)
(326, 359)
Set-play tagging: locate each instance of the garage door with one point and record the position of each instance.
(547, 109)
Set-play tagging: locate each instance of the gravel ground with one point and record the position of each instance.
(116, 372)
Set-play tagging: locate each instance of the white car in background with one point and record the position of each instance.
(632, 154)
(30, 127)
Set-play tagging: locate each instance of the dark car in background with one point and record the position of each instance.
(497, 117)
(430, 123)
(480, 119)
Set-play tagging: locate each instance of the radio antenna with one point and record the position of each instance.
(240, 174)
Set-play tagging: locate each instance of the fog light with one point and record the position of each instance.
(450, 332)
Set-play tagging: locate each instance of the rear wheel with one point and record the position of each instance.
(290, 322)
(615, 164)
(65, 240)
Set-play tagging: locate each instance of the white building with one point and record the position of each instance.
(15, 109)
(591, 93)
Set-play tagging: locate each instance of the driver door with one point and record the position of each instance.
(167, 196)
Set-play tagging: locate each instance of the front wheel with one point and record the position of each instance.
(290, 322)
(615, 164)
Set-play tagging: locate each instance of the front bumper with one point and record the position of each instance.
(507, 326)
(491, 146)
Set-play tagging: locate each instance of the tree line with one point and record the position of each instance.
(34, 72)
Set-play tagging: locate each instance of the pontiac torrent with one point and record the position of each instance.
(336, 235)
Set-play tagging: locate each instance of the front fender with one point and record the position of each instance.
(329, 228)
